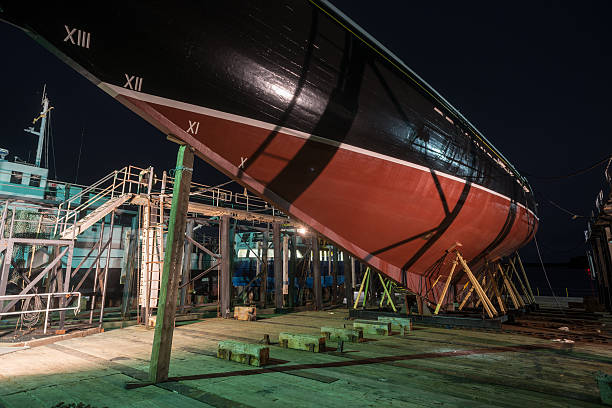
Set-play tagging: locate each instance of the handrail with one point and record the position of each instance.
(67, 295)
(130, 179)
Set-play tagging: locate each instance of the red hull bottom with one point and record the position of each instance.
(394, 215)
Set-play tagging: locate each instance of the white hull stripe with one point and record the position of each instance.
(114, 90)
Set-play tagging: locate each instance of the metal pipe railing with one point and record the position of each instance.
(47, 309)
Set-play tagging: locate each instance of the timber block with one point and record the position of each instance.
(245, 313)
(604, 382)
(373, 327)
(399, 322)
(341, 334)
(245, 353)
(310, 342)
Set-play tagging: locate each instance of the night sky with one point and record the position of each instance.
(533, 77)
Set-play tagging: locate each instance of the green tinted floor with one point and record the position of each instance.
(430, 367)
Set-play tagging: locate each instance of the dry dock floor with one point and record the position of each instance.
(432, 367)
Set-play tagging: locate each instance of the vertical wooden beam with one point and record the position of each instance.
(264, 271)
(225, 284)
(292, 271)
(129, 271)
(278, 266)
(106, 265)
(4, 270)
(316, 274)
(186, 272)
(96, 273)
(164, 327)
(348, 277)
(335, 267)
(353, 273)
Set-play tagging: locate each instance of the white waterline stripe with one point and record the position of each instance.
(115, 90)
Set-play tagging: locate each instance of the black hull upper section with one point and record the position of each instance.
(297, 64)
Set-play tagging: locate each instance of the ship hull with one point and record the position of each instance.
(378, 208)
(294, 101)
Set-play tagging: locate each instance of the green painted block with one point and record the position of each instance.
(397, 322)
(245, 353)
(342, 334)
(373, 327)
(604, 381)
(298, 341)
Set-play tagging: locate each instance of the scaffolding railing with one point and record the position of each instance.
(48, 308)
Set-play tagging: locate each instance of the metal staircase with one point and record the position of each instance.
(81, 211)
(93, 217)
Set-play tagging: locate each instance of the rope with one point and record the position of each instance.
(546, 275)
(574, 215)
(576, 173)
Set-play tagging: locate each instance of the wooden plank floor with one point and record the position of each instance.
(430, 367)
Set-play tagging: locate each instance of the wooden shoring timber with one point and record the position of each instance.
(518, 258)
(164, 325)
(486, 286)
(446, 285)
(469, 294)
(509, 274)
(508, 287)
(486, 303)
(520, 281)
(493, 273)
(387, 294)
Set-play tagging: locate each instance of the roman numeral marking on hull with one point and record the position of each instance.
(242, 162)
(136, 85)
(193, 127)
(83, 38)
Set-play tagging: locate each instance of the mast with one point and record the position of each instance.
(43, 126)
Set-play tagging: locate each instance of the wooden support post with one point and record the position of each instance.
(488, 306)
(353, 273)
(59, 279)
(164, 326)
(293, 262)
(519, 298)
(96, 274)
(348, 278)
(278, 266)
(361, 286)
(387, 294)
(263, 289)
(106, 265)
(316, 274)
(508, 287)
(336, 265)
(186, 272)
(446, 285)
(493, 277)
(285, 240)
(520, 281)
(466, 297)
(226, 260)
(518, 258)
